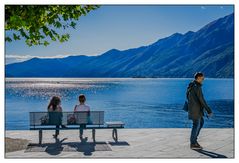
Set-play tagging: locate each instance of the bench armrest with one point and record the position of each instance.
(115, 124)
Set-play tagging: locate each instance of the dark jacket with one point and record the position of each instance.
(196, 101)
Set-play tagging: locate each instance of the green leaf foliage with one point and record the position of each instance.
(37, 24)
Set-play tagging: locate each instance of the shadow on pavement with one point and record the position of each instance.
(87, 148)
(119, 143)
(211, 154)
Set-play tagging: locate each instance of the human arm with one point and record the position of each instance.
(75, 108)
(202, 100)
(49, 109)
(88, 110)
(60, 109)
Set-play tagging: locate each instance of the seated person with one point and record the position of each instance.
(82, 107)
(55, 113)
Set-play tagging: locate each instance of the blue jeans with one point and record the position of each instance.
(197, 125)
(82, 126)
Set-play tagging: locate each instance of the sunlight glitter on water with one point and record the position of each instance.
(138, 102)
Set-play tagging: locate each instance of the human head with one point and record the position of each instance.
(55, 101)
(82, 98)
(199, 77)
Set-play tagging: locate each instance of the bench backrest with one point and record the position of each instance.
(66, 118)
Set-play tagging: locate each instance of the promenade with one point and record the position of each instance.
(133, 143)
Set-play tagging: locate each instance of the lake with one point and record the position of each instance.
(140, 103)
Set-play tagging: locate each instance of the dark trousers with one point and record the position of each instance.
(197, 126)
(57, 131)
(57, 127)
(82, 126)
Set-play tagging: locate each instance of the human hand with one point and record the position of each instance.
(210, 115)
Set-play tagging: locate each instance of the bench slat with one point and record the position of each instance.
(74, 128)
(66, 118)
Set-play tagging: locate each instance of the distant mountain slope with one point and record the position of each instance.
(210, 49)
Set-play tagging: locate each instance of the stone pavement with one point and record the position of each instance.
(133, 143)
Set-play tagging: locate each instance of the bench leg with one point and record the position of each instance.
(93, 134)
(115, 135)
(40, 137)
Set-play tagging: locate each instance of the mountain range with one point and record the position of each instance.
(209, 50)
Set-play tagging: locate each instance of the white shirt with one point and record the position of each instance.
(81, 107)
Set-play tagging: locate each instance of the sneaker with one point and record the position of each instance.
(195, 146)
(199, 145)
(54, 136)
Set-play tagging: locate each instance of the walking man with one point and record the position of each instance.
(196, 107)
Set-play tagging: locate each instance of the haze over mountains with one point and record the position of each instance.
(210, 50)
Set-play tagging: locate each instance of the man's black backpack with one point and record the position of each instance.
(185, 106)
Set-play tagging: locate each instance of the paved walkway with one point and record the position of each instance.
(133, 143)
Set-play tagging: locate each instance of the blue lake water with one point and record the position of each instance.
(140, 103)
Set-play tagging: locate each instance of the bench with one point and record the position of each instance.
(74, 121)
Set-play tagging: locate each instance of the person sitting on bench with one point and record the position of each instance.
(55, 114)
(82, 107)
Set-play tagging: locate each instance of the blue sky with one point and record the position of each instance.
(121, 27)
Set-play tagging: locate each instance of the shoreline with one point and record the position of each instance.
(26, 129)
(108, 78)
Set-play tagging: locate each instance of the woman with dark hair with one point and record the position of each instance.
(55, 114)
